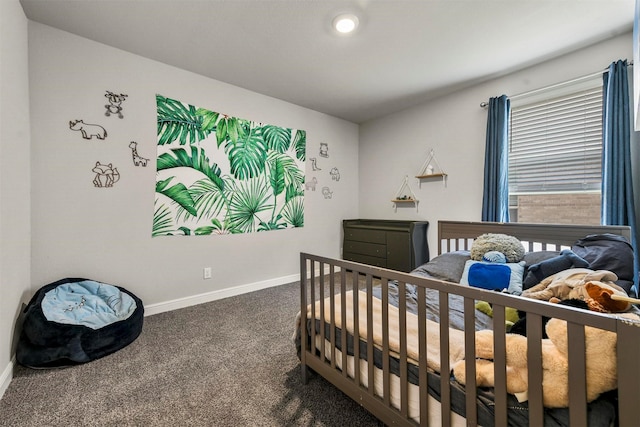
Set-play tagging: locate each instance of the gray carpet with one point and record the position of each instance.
(224, 363)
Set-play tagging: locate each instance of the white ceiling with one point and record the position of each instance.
(404, 52)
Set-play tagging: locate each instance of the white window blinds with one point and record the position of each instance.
(556, 143)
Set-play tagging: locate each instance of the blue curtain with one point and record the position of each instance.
(617, 183)
(495, 199)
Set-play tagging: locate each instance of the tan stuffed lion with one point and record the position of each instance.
(600, 363)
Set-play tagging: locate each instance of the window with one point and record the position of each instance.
(555, 150)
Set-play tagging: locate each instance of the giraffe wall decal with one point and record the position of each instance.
(137, 160)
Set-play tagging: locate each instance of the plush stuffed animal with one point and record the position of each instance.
(600, 362)
(510, 314)
(510, 246)
(602, 299)
(496, 257)
(570, 283)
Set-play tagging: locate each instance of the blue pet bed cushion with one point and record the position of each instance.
(74, 321)
(89, 303)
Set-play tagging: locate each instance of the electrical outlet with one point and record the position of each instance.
(206, 273)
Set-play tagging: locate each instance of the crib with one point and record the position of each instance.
(385, 338)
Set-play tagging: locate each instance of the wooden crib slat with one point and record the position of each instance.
(471, 392)
(422, 349)
(404, 382)
(445, 389)
(356, 330)
(303, 319)
(322, 319)
(577, 375)
(500, 366)
(370, 358)
(343, 319)
(386, 387)
(534, 365)
(332, 313)
(312, 292)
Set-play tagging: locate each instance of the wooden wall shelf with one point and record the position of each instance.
(433, 175)
(404, 198)
(431, 169)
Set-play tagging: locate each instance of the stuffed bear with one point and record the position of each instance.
(601, 372)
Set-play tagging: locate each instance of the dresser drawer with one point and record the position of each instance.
(365, 259)
(365, 235)
(364, 248)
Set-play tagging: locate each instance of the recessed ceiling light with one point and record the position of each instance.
(346, 23)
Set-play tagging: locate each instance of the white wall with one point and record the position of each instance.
(105, 234)
(454, 126)
(15, 234)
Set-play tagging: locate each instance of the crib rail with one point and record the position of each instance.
(321, 277)
(459, 235)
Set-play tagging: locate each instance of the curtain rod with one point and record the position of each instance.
(484, 104)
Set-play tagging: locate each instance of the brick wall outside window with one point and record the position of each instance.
(579, 208)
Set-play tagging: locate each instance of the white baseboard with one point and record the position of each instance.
(176, 304)
(7, 376)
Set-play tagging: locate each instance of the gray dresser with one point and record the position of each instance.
(397, 245)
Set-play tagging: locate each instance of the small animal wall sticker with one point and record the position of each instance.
(137, 160)
(314, 164)
(327, 193)
(335, 174)
(115, 103)
(311, 185)
(106, 175)
(88, 130)
(324, 149)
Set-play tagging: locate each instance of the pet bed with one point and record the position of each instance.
(401, 385)
(75, 320)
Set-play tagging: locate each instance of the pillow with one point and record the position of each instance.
(448, 266)
(494, 276)
(538, 256)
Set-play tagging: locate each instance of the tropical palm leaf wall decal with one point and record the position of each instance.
(218, 174)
